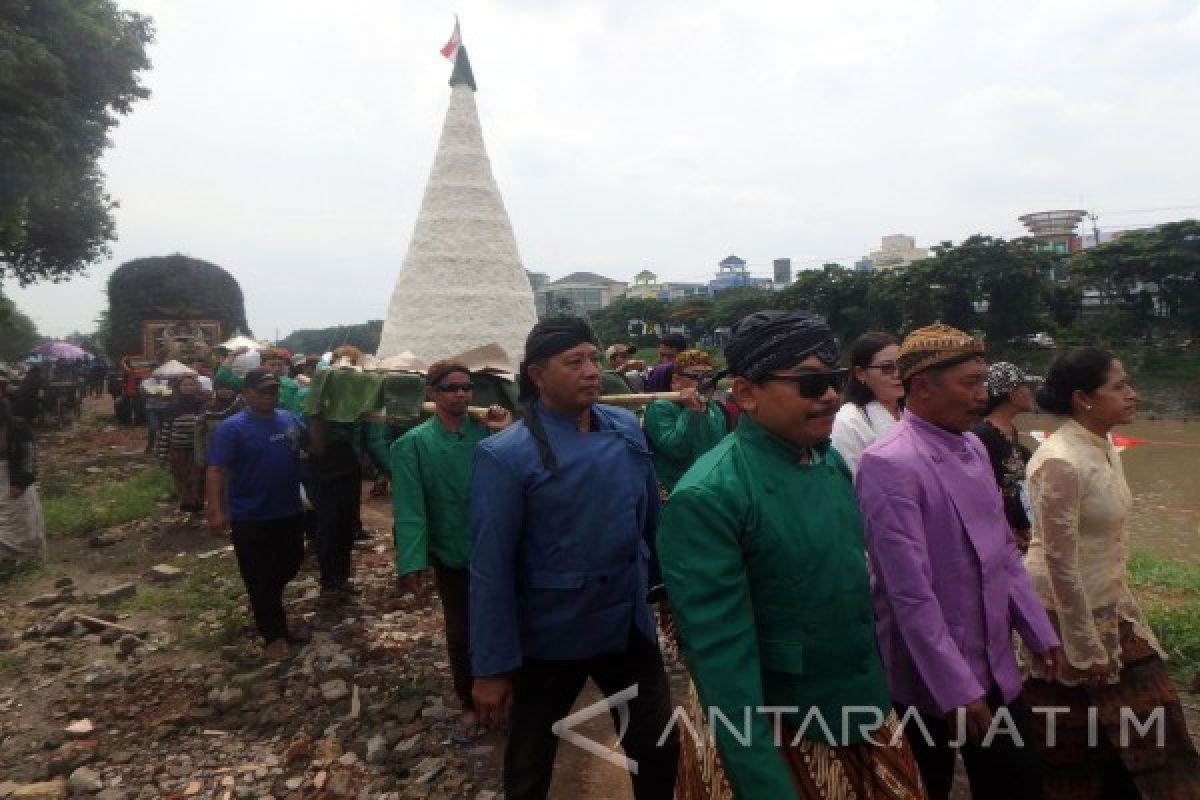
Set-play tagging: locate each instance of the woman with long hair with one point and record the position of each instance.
(1114, 664)
(873, 399)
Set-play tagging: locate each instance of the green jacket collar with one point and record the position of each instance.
(760, 438)
(446, 433)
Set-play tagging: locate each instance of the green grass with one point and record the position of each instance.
(1151, 570)
(1169, 593)
(210, 587)
(13, 662)
(91, 509)
(12, 573)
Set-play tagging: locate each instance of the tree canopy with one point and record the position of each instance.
(1000, 287)
(18, 334)
(173, 287)
(68, 69)
(1150, 278)
(364, 336)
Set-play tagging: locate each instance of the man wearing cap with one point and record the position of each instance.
(1010, 392)
(624, 365)
(253, 487)
(431, 490)
(563, 510)
(949, 587)
(761, 547)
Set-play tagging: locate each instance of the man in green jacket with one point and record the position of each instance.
(679, 433)
(274, 362)
(431, 480)
(761, 547)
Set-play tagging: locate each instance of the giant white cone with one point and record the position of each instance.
(462, 284)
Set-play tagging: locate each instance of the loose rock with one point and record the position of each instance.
(165, 573)
(85, 780)
(334, 690)
(116, 593)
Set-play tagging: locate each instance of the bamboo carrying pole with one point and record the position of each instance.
(608, 399)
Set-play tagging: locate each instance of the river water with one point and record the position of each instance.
(1164, 474)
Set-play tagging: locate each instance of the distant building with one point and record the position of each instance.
(1055, 231)
(646, 285)
(896, 250)
(537, 282)
(783, 272)
(581, 293)
(1089, 240)
(733, 274)
(864, 265)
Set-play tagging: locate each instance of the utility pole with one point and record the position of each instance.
(1095, 230)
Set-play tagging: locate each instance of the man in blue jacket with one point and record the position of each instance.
(563, 510)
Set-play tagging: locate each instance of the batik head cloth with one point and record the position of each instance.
(1003, 377)
(933, 346)
(767, 341)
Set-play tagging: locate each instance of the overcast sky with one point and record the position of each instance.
(289, 141)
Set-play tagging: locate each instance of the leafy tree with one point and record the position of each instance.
(18, 334)
(68, 69)
(695, 313)
(1154, 275)
(730, 305)
(611, 323)
(841, 296)
(1062, 303)
(364, 336)
(169, 287)
(886, 300)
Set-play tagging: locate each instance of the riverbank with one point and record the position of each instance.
(1169, 594)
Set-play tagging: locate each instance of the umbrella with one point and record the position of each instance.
(60, 350)
(173, 369)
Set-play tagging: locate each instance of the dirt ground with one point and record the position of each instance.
(163, 694)
(145, 672)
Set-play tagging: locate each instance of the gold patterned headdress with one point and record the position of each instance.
(932, 345)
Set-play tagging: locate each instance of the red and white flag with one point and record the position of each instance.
(451, 47)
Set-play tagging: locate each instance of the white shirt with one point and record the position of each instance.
(204, 382)
(855, 427)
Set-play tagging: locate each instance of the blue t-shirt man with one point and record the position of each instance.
(254, 490)
(261, 454)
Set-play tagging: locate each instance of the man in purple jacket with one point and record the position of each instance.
(949, 587)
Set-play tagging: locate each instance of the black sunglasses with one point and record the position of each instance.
(887, 368)
(696, 376)
(447, 388)
(814, 384)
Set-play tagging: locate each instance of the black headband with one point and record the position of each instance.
(769, 340)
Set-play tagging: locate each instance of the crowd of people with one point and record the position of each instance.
(864, 570)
